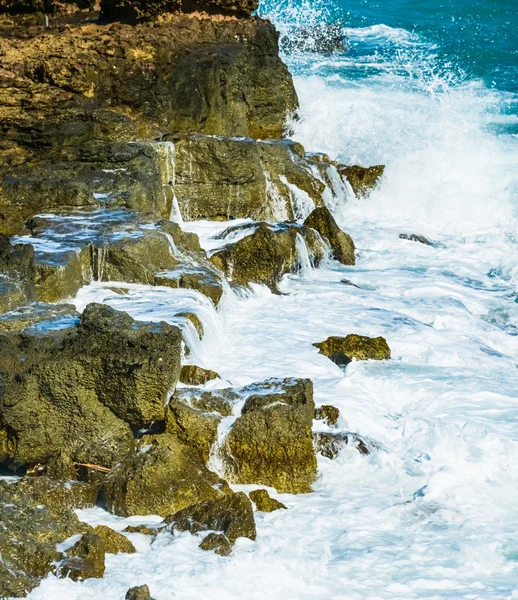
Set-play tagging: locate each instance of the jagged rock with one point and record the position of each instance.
(271, 442)
(60, 275)
(343, 349)
(227, 178)
(201, 276)
(193, 375)
(362, 179)
(329, 414)
(85, 559)
(231, 515)
(162, 477)
(193, 417)
(139, 593)
(218, 543)
(264, 502)
(184, 240)
(342, 245)
(77, 391)
(137, 11)
(114, 542)
(331, 444)
(31, 528)
(413, 237)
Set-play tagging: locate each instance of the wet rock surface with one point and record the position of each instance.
(327, 413)
(414, 237)
(193, 375)
(342, 350)
(362, 179)
(139, 593)
(114, 542)
(331, 444)
(342, 245)
(264, 502)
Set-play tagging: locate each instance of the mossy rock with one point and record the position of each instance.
(114, 542)
(230, 515)
(138, 593)
(143, 529)
(218, 543)
(329, 414)
(331, 444)
(342, 245)
(271, 442)
(162, 477)
(264, 502)
(193, 375)
(355, 346)
(362, 179)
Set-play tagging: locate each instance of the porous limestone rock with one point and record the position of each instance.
(114, 542)
(264, 502)
(194, 375)
(85, 559)
(343, 349)
(162, 477)
(329, 414)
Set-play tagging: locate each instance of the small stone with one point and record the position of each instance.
(193, 375)
(114, 542)
(342, 350)
(413, 237)
(217, 542)
(264, 502)
(331, 444)
(349, 282)
(139, 593)
(329, 414)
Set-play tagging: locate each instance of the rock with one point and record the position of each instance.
(349, 282)
(218, 542)
(143, 529)
(78, 391)
(139, 593)
(264, 502)
(412, 237)
(193, 417)
(162, 477)
(271, 442)
(137, 11)
(330, 444)
(231, 515)
(85, 559)
(343, 349)
(342, 245)
(329, 414)
(114, 542)
(30, 530)
(193, 375)
(39, 315)
(362, 179)
(15, 7)
(264, 256)
(229, 178)
(201, 276)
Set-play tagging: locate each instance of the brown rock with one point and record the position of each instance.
(114, 542)
(264, 502)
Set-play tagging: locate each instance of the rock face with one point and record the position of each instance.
(342, 245)
(164, 476)
(16, 7)
(271, 442)
(80, 390)
(231, 515)
(343, 349)
(136, 11)
(362, 179)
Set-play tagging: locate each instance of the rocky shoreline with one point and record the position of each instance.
(123, 121)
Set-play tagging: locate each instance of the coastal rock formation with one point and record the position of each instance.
(264, 502)
(270, 443)
(162, 477)
(16, 7)
(114, 542)
(342, 245)
(327, 413)
(362, 179)
(229, 517)
(79, 390)
(331, 444)
(342, 350)
(193, 375)
(139, 593)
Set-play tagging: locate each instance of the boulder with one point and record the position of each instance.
(342, 245)
(228, 178)
(78, 391)
(342, 350)
(139, 593)
(137, 11)
(85, 559)
(362, 179)
(164, 476)
(270, 443)
(264, 502)
(114, 542)
(218, 543)
(413, 237)
(193, 375)
(231, 516)
(329, 414)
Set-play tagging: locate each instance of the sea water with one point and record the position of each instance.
(428, 88)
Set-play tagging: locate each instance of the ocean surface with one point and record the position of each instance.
(430, 89)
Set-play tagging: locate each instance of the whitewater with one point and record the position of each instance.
(433, 512)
